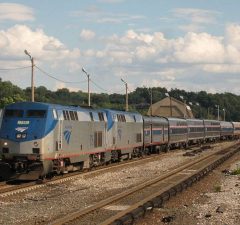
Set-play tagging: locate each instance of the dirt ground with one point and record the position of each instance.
(214, 200)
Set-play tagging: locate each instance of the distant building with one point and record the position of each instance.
(170, 107)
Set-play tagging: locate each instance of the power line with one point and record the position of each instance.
(17, 68)
(98, 86)
(49, 75)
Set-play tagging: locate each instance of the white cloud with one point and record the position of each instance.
(221, 68)
(172, 62)
(14, 40)
(191, 27)
(196, 15)
(96, 15)
(15, 12)
(195, 19)
(87, 34)
(199, 48)
(194, 60)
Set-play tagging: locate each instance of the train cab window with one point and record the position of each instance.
(13, 113)
(101, 116)
(36, 113)
(91, 116)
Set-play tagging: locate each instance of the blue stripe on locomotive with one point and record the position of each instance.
(34, 128)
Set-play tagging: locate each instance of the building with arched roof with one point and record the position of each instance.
(170, 107)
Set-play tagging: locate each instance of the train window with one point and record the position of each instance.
(71, 115)
(13, 113)
(121, 118)
(67, 115)
(101, 117)
(36, 113)
(64, 115)
(91, 116)
(76, 115)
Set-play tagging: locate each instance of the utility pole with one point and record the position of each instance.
(218, 111)
(32, 75)
(126, 85)
(151, 100)
(88, 77)
(224, 111)
(170, 101)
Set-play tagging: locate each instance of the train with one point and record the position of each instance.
(39, 140)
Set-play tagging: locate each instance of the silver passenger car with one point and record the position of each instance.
(226, 130)
(195, 131)
(212, 130)
(178, 132)
(236, 129)
(155, 133)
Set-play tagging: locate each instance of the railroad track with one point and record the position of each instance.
(9, 190)
(129, 205)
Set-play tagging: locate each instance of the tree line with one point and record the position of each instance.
(203, 104)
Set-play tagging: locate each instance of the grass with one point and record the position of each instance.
(236, 172)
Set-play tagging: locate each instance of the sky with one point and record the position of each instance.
(188, 44)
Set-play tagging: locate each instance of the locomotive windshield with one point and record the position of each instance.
(36, 113)
(13, 113)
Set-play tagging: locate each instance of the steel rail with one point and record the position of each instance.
(7, 190)
(83, 212)
(158, 198)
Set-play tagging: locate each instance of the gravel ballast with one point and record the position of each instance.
(44, 205)
(215, 200)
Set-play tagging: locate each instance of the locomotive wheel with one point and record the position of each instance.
(7, 171)
(116, 155)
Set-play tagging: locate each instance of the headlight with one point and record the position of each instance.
(23, 136)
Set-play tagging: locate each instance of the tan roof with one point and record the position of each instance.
(171, 107)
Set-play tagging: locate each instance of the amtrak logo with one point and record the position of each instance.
(21, 129)
(67, 135)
